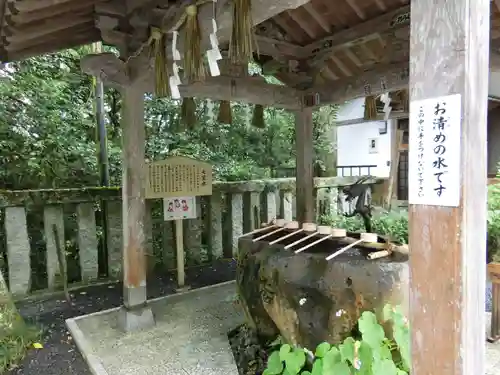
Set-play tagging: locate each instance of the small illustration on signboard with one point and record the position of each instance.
(179, 208)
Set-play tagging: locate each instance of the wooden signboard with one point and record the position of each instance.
(178, 180)
(178, 176)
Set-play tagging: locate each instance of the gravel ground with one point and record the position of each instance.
(59, 354)
(488, 297)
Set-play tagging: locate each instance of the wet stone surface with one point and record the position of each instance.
(308, 300)
(250, 352)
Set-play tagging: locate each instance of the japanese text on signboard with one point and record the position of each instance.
(434, 162)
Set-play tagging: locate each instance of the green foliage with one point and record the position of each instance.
(391, 224)
(15, 337)
(48, 130)
(395, 224)
(494, 223)
(371, 354)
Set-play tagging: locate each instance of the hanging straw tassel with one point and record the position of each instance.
(188, 113)
(225, 114)
(159, 50)
(405, 100)
(194, 70)
(370, 108)
(258, 117)
(242, 42)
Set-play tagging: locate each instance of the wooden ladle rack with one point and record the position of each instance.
(323, 233)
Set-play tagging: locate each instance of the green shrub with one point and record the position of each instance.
(15, 337)
(373, 353)
(393, 225)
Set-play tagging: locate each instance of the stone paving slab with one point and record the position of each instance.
(190, 336)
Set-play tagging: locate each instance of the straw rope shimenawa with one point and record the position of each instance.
(370, 107)
(159, 52)
(241, 48)
(242, 42)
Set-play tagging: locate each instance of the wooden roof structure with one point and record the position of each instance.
(331, 48)
(323, 51)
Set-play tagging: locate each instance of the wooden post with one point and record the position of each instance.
(181, 263)
(304, 165)
(136, 313)
(396, 140)
(449, 52)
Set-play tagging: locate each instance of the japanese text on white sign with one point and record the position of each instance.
(434, 160)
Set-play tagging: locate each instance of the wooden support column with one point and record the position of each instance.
(449, 50)
(304, 165)
(136, 313)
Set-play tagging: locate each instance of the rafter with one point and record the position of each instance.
(381, 5)
(387, 77)
(317, 17)
(296, 35)
(354, 6)
(360, 34)
(297, 18)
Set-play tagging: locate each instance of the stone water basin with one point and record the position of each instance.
(308, 299)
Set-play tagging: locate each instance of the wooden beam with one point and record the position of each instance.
(384, 78)
(279, 49)
(115, 8)
(49, 47)
(135, 5)
(304, 143)
(248, 89)
(38, 29)
(323, 49)
(22, 6)
(59, 10)
(261, 10)
(448, 255)
(55, 38)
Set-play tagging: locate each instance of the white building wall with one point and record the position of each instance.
(353, 140)
(354, 148)
(351, 110)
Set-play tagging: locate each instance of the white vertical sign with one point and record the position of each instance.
(435, 151)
